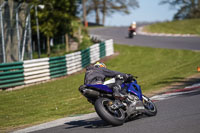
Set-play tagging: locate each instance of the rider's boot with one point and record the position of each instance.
(117, 93)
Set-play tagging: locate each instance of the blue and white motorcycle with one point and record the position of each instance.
(115, 111)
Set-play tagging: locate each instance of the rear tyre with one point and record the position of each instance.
(113, 117)
(150, 107)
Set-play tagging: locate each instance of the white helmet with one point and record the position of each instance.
(133, 22)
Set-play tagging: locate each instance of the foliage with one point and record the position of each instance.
(119, 6)
(108, 7)
(44, 102)
(56, 16)
(86, 41)
(186, 8)
(80, 34)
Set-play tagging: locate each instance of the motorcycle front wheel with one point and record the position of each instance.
(150, 107)
(131, 35)
(104, 110)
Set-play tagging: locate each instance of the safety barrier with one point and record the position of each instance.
(37, 70)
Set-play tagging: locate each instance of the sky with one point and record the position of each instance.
(149, 11)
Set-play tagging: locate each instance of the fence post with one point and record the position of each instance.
(25, 33)
(30, 35)
(24, 40)
(2, 32)
(66, 43)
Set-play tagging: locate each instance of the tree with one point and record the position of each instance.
(92, 6)
(186, 8)
(55, 18)
(108, 7)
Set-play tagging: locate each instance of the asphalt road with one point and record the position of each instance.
(120, 36)
(176, 115)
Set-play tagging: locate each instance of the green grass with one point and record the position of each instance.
(189, 26)
(60, 98)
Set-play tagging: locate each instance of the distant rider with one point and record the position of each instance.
(132, 27)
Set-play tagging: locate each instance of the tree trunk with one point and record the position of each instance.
(66, 43)
(10, 47)
(48, 46)
(104, 12)
(84, 13)
(199, 4)
(96, 10)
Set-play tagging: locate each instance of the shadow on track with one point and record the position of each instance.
(95, 123)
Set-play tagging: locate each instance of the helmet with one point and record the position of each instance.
(133, 22)
(100, 64)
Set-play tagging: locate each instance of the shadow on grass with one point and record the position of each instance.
(178, 82)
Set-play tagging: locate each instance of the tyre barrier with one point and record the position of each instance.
(38, 70)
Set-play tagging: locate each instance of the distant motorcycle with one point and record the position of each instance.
(115, 111)
(131, 32)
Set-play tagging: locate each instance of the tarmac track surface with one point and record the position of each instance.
(180, 114)
(120, 36)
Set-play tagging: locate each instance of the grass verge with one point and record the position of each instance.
(189, 26)
(60, 98)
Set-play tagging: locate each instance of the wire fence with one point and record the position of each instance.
(15, 31)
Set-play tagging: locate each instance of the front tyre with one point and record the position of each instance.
(150, 107)
(131, 35)
(103, 109)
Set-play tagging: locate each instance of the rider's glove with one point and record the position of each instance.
(129, 77)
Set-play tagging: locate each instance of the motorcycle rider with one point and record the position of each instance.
(132, 28)
(97, 74)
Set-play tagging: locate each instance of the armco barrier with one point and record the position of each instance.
(37, 70)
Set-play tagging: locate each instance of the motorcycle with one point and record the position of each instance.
(132, 32)
(115, 111)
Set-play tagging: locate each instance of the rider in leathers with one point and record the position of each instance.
(98, 73)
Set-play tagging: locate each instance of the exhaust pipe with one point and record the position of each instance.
(90, 93)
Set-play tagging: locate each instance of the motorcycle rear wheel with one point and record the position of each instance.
(113, 117)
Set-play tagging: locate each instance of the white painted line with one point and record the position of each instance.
(169, 95)
(194, 85)
(55, 123)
